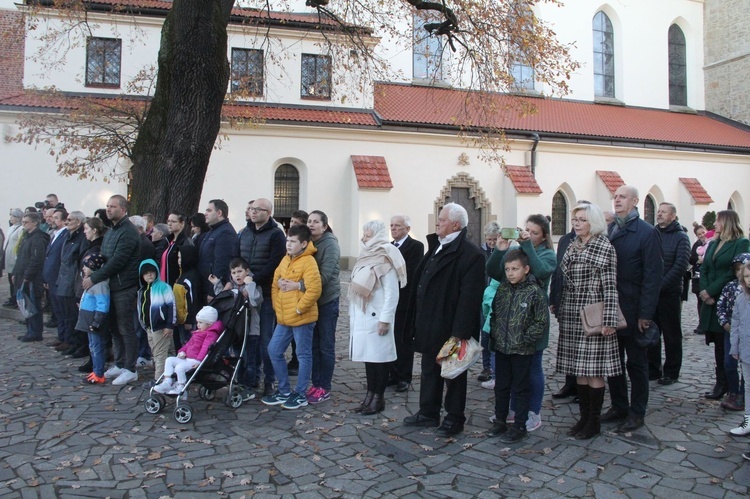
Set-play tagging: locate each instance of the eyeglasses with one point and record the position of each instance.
(26, 222)
(256, 210)
(578, 220)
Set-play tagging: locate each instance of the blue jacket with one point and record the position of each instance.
(217, 249)
(52, 260)
(639, 271)
(156, 310)
(94, 308)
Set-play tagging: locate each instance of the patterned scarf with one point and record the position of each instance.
(376, 257)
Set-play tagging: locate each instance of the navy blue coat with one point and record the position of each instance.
(51, 269)
(639, 271)
(217, 249)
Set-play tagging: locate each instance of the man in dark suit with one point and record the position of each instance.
(445, 301)
(50, 272)
(412, 251)
(639, 274)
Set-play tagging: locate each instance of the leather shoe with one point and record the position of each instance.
(450, 428)
(53, 343)
(27, 339)
(391, 382)
(565, 392)
(402, 386)
(613, 414)
(630, 424)
(653, 376)
(420, 420)
(666, 380)
(62, 347)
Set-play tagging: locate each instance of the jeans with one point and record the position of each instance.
(735, 384)
(324, 345)
(35, 323)
(536, 383)
(124, 338)
(637, 369)
(59, 312)
(282, 337)
(267, 324)
(512, 374)
(488, 356)
(249, 371)
(97, 347)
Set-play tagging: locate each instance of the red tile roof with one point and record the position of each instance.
(372, 172)
(415, 105)
(612, 180)
(694, 187)
(523, 180)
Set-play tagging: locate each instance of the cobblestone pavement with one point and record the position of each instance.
(59, 438)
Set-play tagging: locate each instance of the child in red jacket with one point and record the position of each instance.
(192, 353)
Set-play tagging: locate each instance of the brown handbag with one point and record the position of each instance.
(593, 315)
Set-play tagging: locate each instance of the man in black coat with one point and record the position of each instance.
(28, 272)
(446, 301)
(676, 253)
(639, 271)
(412, 251)
(219, 246)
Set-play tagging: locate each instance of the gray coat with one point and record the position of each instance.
(739, 338)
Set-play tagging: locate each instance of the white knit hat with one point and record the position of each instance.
(209, 315)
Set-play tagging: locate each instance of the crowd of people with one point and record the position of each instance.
(145, 289)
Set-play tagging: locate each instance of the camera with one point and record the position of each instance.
(42, 205)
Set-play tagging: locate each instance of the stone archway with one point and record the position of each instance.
(464, 190)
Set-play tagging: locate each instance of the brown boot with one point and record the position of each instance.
(366, 402)
(583, 405)
(593, 426)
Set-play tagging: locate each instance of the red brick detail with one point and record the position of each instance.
(372, 172)
(696, 190)
(612, 180)
(523, 180)
(12, 52)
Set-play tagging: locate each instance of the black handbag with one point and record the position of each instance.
(649, 337)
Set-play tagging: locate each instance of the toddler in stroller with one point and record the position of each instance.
(192, 353)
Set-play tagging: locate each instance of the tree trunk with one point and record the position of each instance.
(173, 148)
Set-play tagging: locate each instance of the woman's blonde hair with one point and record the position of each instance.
(732, 229)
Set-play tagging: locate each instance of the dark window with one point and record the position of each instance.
(677, 67)
(285, 193)
(247, 72)
(649, 210)
(427, 49)
(103, 57)
(604, 56)
(559, 214)
(316, 76)
(730, 205)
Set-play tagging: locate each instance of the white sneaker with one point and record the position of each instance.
(125, 377)
(490, 385)
(534, 421)
(141, 362)
(177, 389)
(164, 387)
(743, 429)
(112, 372)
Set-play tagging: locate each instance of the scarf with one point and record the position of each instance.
(376, 257)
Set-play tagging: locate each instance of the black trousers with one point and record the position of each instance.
(377, 376)
(637, 369)
(431, 391)
(512, 374)
(401, 368)
(669, 319)
(12, 297)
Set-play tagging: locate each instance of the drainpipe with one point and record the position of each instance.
(536, 138)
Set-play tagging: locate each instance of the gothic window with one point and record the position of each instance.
(677, 67)
(247, 72)
(559, 214)
(649, 210)
(604, 56)
(427, 49)
(103, 56)
(316, 76)
(285, 193)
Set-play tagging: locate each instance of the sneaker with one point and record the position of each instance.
(490, 385)
(164, 387)
(112, 372)
(177, 389)
(93, 379)
(485, 375)
(276, 398)
(320, 395)
(534, 421)
(247, 394)
(294, 401)
(310, 391)
(149, 384)
(143, 362)
(124, 378)
(514, 435)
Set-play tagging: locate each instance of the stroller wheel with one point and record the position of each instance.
(154, 405)
(206, 394)
(234, 398)
(183, 413)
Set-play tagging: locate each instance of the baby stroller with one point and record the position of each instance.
(219, 368)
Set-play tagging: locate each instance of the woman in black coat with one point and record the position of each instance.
(177, 237)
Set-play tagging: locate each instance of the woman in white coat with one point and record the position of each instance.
(373, 295)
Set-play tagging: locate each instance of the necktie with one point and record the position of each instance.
(395, 244)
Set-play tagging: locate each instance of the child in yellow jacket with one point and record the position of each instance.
(295, 290)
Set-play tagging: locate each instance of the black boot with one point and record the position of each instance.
(568, 389)
(593, 426)
(721, 386)
(87, 367)
(376, 405)
(366, 402)
(583, 404)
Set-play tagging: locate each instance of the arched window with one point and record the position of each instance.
(649, 210)
(730, 205)
(604, 56)
(559, 214)
(677, 67)
(427, 49)
(285, 193)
